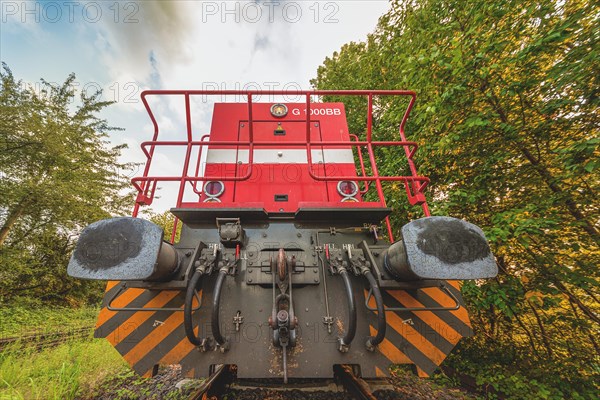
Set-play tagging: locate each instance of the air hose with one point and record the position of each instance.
(188, 324)
(216, 327)
(381, 322)
(351, 330)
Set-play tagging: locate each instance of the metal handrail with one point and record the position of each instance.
(110, 307)
(442, 286)
(414, 183)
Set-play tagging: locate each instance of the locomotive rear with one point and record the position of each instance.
(286, 263)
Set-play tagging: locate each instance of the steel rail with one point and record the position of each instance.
(45, 340)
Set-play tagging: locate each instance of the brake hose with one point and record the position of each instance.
(381, 322)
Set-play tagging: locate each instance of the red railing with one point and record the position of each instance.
(414, 183)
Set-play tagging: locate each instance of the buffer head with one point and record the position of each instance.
(122, 249)
(441, 248)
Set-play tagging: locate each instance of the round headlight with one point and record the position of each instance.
(212, 200)
(279, 110)
(214, 188)
(347, 188)
(350, 199)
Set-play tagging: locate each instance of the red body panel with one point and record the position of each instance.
(280, 177)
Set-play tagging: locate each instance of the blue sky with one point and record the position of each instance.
(126, 47)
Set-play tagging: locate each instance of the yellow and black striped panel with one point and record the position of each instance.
(148, 338)
(145, 338)
(423, 338)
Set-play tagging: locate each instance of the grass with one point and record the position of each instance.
(25, 319)
(81, 368)
(67, 371)
(70, 370)
(129, 386)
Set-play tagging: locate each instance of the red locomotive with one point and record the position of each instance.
(287, 264)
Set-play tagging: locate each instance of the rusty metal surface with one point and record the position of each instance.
(354, 384)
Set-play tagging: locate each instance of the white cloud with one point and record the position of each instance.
(232, 42)
(193, 45)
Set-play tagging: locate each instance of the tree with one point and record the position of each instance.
(507, 113)
(166, 221)
(57, 174)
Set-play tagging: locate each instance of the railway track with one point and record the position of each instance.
(345, 386)
(222, 384)
(45, 340)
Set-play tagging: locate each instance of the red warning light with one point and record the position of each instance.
(214, 188)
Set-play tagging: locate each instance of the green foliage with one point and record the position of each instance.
(127, 385)
(115, 385)
(507, 119)
(524, 379)
(75, 369)
(64, 372)
(165, 220)
(57, 174)
(30, 316)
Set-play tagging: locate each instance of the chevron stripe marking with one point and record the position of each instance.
(390, 351)
(413, 336)
(138, 318)
(455, 284)
(153, 339)
(444, 300)
(430, 318)
(182, 349)
(124, 298)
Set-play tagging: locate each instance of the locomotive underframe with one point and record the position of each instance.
(412, 334)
